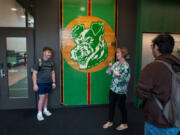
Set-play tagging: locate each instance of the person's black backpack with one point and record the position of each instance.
(171, 110)
(40, 61)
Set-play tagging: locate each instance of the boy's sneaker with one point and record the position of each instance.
(47, 113)
(40, 117)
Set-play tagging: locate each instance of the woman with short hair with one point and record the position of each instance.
(120, 72)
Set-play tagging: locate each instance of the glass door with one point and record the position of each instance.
(16, 60)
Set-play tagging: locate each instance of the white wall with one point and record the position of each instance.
(147, 56)
(9, 18)
(16, 44)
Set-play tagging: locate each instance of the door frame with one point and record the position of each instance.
(17, 103)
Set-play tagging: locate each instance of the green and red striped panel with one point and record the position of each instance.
(85, 87)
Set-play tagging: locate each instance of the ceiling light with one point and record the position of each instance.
(23, 16)
(13, 9)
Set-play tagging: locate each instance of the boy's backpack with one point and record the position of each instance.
(39, 65)
(171, 110)
(40, 61)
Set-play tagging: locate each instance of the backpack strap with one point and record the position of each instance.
(39, 63)
(167, 65)
(158, 102)
(51, 62)
(172, 71)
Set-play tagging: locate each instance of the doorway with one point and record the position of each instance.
(16, 60)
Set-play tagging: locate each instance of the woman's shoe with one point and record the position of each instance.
(107, 125)
(122, 127)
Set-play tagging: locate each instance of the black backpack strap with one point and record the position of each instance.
(40, 62)
(51, 62)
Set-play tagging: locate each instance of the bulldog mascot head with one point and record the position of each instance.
(91, 49)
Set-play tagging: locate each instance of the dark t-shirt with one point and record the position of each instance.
(44, 69)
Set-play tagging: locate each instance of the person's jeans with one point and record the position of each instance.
(152, 130)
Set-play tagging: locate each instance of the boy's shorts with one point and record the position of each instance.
(44, 88)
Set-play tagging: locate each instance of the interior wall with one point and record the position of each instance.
(127, 26)
(160, 15)
(11, 18)
(155, 16)
(47, 34)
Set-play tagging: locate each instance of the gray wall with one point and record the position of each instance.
(127, 26)
(47, 34)
(47, 22)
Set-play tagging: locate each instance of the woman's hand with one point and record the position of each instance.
(116, 73)
(110, 64)
(109, 68)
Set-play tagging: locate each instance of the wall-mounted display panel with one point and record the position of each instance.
(87, 46)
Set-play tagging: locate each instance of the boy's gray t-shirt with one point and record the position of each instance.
(44, 70)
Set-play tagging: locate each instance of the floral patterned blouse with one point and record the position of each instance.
(119, 84)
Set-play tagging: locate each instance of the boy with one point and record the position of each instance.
(43, 81)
